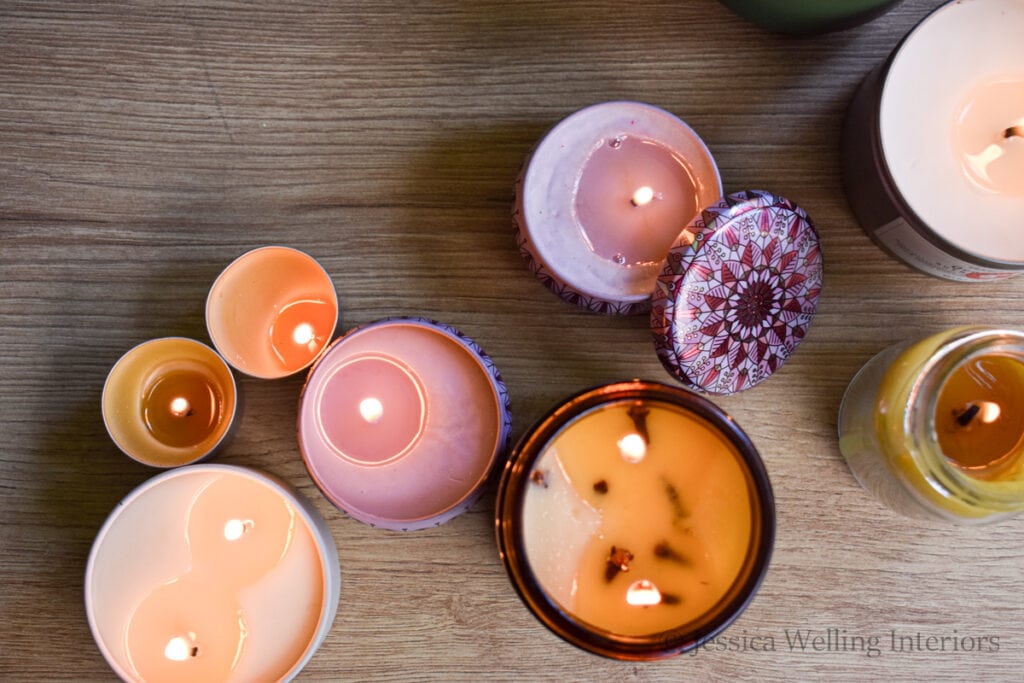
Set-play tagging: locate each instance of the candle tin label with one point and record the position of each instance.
(903, 241)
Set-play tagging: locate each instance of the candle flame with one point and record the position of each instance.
(371, 410)
(643, 593)
(234, 529)
(632, 447)
(303, 334)
(989, 412)
(179, 649)
(642, 196)
(180, 406)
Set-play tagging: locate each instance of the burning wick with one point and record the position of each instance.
(986, 411)
(643, 196)
(179, 649)
(371, 410)
(1014, 131)
(234, 529)
(643, 593)
(303, 335)
(638, 414)
(632, 448)
(180, 407)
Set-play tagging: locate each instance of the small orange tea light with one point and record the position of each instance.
(211, 573)
(272, 311)
(169, 402)
(636, 520)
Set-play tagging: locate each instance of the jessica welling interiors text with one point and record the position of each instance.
(818, 641)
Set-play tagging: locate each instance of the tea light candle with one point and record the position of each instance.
(272, 311)
(636, 520)
(169, 402)
(211, 573)
(401, 421)
(603, 197)
(805, 17)
(934, 142)
(936, 428)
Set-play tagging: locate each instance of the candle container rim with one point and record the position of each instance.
(322, 538)
(228, 419)
(335, 303)
(511, 547)
(502, 406)
(968, 343)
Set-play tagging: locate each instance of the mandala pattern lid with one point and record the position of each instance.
(737, 293)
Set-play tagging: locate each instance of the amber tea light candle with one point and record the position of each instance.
(272, 312)
(211, 573)
(169, 402)
(401, 421)
(933, 146)
(935, 428)
(636, 520)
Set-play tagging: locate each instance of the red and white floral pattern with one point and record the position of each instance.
(738, 292)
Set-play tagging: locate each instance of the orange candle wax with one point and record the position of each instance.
(636, 520)
(169, 402)
(272, 311)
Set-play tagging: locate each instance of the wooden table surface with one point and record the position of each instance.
(143, 145)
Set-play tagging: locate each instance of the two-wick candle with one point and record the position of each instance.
(211, 573)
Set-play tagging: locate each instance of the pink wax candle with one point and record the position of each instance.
(272, 311)
(401, 421)
(933, 146)
(211, 573)
(603, 197)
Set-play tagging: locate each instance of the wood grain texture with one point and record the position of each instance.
(143, 145)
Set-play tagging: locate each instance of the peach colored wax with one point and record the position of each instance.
(272, 311)
(211, 573)
(400, 423)
(169, 402)
(636, 532)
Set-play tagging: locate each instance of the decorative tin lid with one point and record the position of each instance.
(737, 293)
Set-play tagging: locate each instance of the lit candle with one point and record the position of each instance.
(211, 573)
(401, 421)
(272, 312)
(603, 197)
(809, 16)
(933, 147)
(636, 520)
(169, 402)
(936, 428)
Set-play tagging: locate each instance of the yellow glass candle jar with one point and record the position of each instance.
(636, 520)
(936, 428)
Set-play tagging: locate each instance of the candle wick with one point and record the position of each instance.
(964, 418)
(638, 414)
(1014, 131)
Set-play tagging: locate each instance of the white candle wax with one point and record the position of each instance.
(950, 107)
